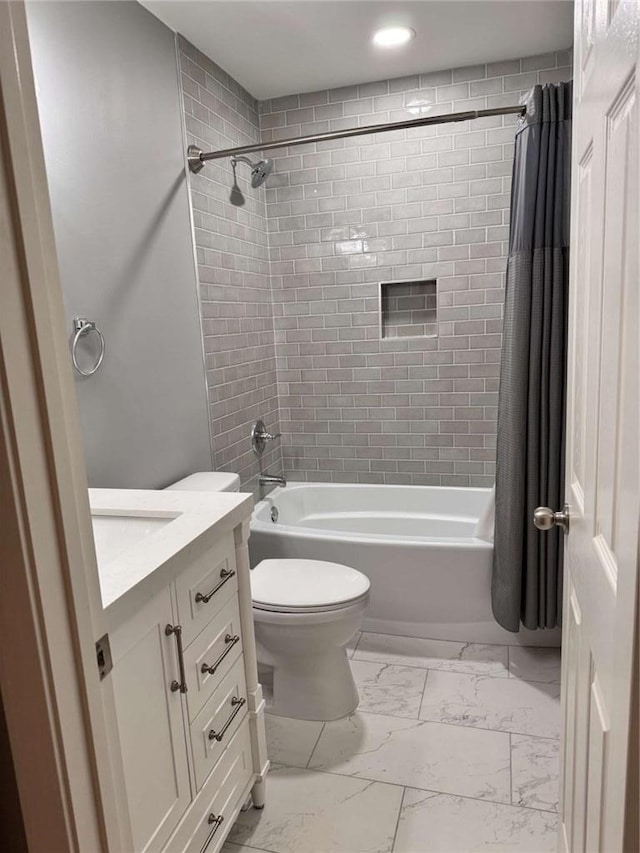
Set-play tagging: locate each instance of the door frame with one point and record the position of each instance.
(57, 709)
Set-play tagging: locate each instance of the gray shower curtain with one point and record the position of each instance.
(527, 564)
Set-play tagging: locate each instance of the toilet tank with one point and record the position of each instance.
(208, 481)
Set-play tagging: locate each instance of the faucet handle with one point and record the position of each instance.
(260, 436)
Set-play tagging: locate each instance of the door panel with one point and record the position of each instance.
(620, 122)
(598, 729)
(577, 462)
(577, 669)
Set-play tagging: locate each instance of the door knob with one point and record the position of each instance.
(545, 518)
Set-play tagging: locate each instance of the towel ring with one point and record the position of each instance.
(82, 327)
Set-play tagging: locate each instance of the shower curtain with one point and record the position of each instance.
(527, 563)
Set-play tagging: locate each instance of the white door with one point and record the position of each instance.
(603, 480)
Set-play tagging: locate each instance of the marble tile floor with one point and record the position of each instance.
(453, 749)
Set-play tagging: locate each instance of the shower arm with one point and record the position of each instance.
(197, 157)
(239, 158)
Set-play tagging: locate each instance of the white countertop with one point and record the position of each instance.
(193, 518)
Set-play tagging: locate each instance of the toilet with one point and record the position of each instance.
(305, 612)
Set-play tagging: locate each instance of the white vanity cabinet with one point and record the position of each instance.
(189, 713)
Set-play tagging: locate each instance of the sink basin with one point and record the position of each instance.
(115, 534)
(142, 536)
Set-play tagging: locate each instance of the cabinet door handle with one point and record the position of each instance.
(230, 641)
(215, 822)
(225, 574)
(213, 735)
(181, 685)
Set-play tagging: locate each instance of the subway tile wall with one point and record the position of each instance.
(289, 281)
(428, 203)
(233, 269)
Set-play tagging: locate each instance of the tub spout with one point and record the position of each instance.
(272, 480)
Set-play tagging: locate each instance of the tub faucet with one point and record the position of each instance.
(272, 480)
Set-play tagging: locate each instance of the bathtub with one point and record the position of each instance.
(430, 577)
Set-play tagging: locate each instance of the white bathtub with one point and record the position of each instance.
(429, 576)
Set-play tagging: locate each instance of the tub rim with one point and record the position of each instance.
(271, 528)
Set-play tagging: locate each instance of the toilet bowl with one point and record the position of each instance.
(305, 614)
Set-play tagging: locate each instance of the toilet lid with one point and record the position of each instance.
(304, 584)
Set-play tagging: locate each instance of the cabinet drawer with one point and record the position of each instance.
(227, 784)
(205, 587)
(211, 655)
(214, 727)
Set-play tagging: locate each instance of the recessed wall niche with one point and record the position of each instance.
(408, 309)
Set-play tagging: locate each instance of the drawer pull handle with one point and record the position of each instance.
(230, 641)
(215, 822)
(225, 574)
(181, 685)
(213, 735)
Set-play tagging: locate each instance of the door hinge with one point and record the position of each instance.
(103, 656)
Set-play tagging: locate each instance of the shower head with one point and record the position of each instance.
(260, 171)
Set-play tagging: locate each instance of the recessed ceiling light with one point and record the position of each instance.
(393, 36)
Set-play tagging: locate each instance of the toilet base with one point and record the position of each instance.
(307, 658)
(320, 687)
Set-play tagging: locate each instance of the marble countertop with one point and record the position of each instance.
(195, 520)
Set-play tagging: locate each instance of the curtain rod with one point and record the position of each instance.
(197, 157)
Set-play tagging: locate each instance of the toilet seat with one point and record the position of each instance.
(306, 586)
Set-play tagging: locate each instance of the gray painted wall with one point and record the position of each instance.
(114, 151)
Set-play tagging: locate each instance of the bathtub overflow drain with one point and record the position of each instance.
(274, 514)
